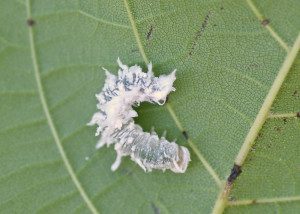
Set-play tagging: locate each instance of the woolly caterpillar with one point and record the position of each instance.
(115, 119)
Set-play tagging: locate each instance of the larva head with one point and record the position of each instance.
(161, 87)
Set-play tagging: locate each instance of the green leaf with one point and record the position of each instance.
(230, 61)
(272, 165)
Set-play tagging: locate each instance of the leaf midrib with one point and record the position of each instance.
(48, 116)
(262, 116)
(263, 113)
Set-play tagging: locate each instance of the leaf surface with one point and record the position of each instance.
(51, 54)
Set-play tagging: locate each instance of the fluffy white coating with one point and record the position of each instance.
(115, 119)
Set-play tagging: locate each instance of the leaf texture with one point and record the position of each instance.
(227, 55)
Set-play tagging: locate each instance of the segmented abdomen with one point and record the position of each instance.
(150, 151)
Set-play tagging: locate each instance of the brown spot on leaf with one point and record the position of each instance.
(259, 135)
(284, 120)
(150, 32)
(30, 22)
(295, 93)
(265, 22)
(199, 32)
(185, 135)
(298, 114)
(235, 172)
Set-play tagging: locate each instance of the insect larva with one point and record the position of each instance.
(116, 125)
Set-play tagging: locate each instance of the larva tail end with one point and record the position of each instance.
(184, 158)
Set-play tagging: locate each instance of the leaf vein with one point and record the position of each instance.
(266, 106)
(282, 115)
(260, 119)
(263, 201)
(206, 164)
(50, 121)
(45, 208)
(102, 20)
(269, 28)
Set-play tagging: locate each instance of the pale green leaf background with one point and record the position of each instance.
(226, 61)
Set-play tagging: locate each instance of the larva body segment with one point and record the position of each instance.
(116, 125)
(150, 151)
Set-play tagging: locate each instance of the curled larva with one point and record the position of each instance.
(115, 119)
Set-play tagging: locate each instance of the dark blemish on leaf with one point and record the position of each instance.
(254, 201)
(185, 135)
(200, 32)
(221, 8)
(150, 32)
(284, 120)
(235, 172)
(253, 148)
(265, 22)
(30, 22)
(295, 93)
(259, 135)
(155, 209)
(298, 114)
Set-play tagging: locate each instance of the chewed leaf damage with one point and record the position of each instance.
(116, 125)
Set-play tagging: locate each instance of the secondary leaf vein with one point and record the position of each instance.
(102, 20)
(264, 201)
(206, 164)
(282, 115)
(269, 28)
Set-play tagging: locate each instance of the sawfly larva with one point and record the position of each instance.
(115, 119)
